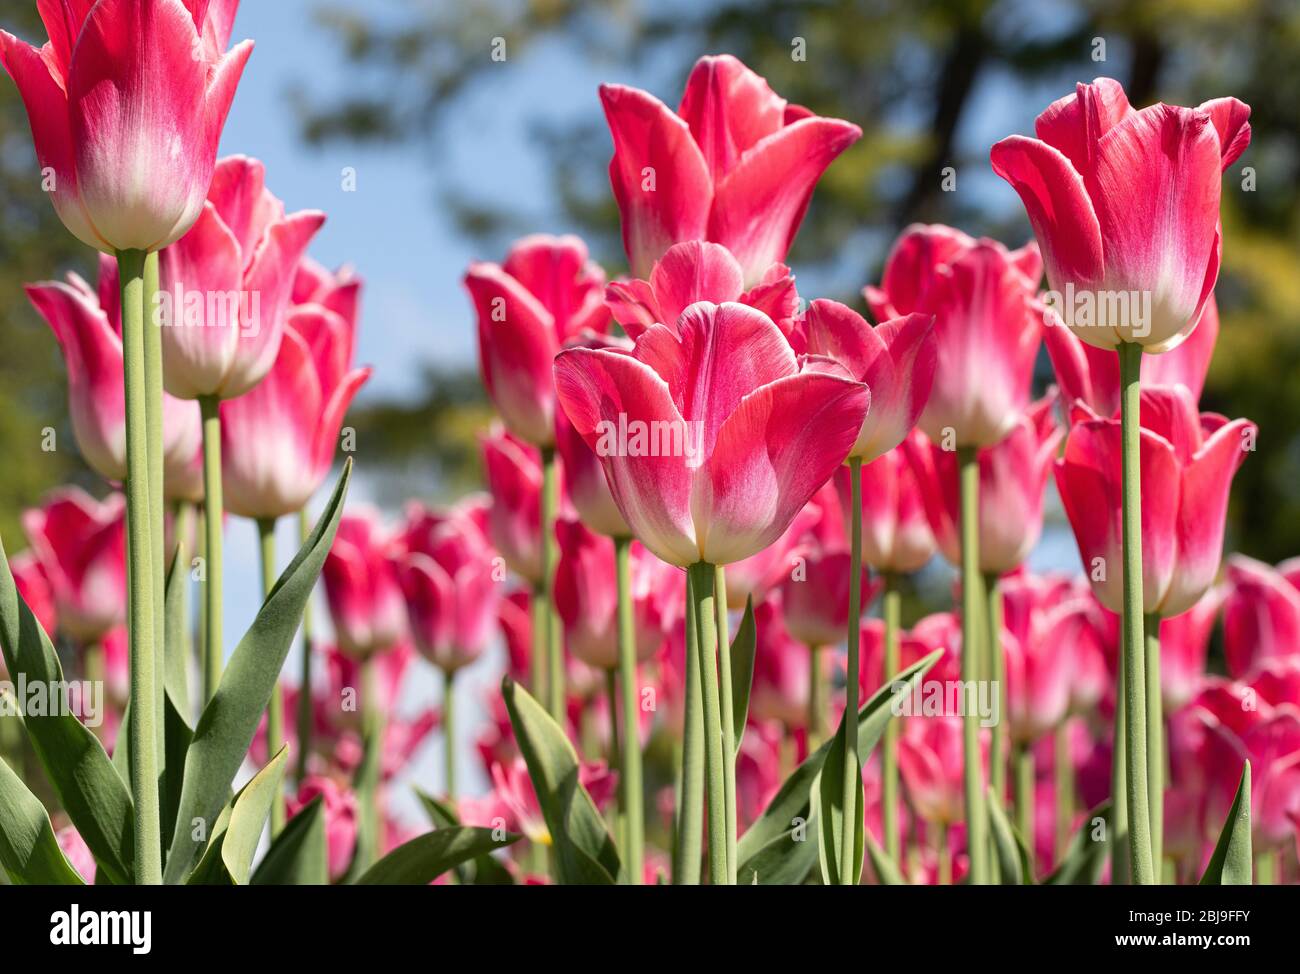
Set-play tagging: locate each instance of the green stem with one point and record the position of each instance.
(142, 733)
(537, 661)
(1266, 868)
(702, 578)
(153, 368)
(852, 794)
(275, 708)
(891, 608)
(554, 649)
(372, 721)
(1155, 741)
(977, 826)
(690, 817)
(630, 772)
(93, 671)
(304, 674)
(945, 857)
(817, 703)
(1134, 648)
(728, 714)
(214, 513)
(1063, 769)
(185, 520)
(997, 675)
(449, 730)
(1024, 762)
(1119, 864)
(201, 617)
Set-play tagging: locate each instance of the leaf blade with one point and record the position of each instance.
(426, 857)
(1232, 861)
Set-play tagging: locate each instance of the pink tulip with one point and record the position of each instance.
(127, 102)
(1039, 649)
(896, 535)
(226, 285)
(736, 164)
(911, 648)
(515, 800)
(700, 271)
(987, 327)
(449, 576)
(1261, 616)
(781, 670)
(758, 770)
(749, 437)
(1089, 375)
(754, 577)
(278, 439)
(545, 293)
(34, 587)
(815, 592)
(339, 806)
(339, 291)
(516, 623)
(586, 597)
(1184, 643)
(1127, 201)
(362, 587)
(78, 853)
(930, 763)
(81, 545)
(583, 475)
(1013, 475)
(1187, 465)
(88, 325)
(514, 477)
(896, 360)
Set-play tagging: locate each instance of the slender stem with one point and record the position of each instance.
(630, 772)
(1266, 867)
(817, 694)
(153, 369)
(728, 714)
(185, 521)
(1063, 769)
(852, 795)
(554, 649)
(690, 818)
(616, 807)
(892, 609)
(945, 857)
(997, 675)
(1023, 756)
(449, 730)
(304, 675)
(142, 733)
(274, 709)
(1134, 648)
(201, 617)
(214, 513)
(1119, 865)
(702, 578)
(367, 787)
(1155, 742)
(537, 661)
(977, 827)
(93, 672)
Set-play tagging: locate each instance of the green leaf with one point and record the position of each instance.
(784, 860)
(792, 800)
(252, 808)
(29, 851)
(1085, 858)
(742, 670)
(886, 870)
(231, 717)
(485, 870)
(835, 822)
(85, 781)
(1009, 846)
(584, 851)
(299, 856)
(426, 857)
(1231, 863)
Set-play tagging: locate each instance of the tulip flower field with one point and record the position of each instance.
(706, 493)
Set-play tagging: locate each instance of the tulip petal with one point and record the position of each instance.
(691, 272)
(517, 345)
(1073, 124)
(556, 271)
(912, 265)
(137, 112)
(728, 108)
(659, 176)
(336, 405)
(1231, 123)
(1156, 194)
(1202, 511)
(1060, 212)
(652, 488)
(783, 442)
(1261, 616)
(758, 206)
